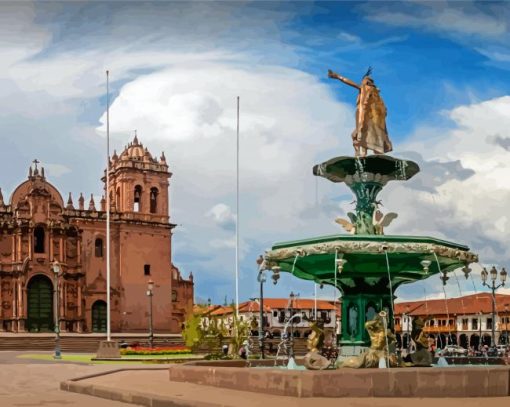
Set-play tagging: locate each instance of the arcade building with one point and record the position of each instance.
(38, 228)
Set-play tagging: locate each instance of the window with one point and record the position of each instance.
(99, 247)
(154, 200)
(137, 202)
(275, 314)
(147, 269)
(474, 323)
(174, 295)
(489, 323)
(39, 239)
(465, 324)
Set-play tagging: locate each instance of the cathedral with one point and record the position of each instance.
(38, 231)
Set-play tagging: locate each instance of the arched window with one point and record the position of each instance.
(99, 247)
(154, 200)
(39, 239)
(137, 206)
(117, 200)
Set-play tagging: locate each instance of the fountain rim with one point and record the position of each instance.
(382, 239)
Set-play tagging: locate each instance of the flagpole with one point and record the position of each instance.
(108, 319)
(237, 214)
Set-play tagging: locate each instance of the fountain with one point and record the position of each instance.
(367, 267)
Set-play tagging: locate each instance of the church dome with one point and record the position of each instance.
(36, 183)
(136, 151)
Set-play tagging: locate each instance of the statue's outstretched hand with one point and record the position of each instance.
(331, 74)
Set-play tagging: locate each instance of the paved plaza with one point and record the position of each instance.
(26, 383)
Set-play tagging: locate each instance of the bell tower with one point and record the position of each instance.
(139, 183)
(141, 236)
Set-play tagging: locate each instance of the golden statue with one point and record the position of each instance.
(422, 356)
(313, 360)
(382, 343)
(370, 132)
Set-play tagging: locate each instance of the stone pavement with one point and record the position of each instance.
(153, 388)
(27, 383)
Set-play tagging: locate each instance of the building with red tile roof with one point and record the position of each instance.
(277, 312)
(466, 321)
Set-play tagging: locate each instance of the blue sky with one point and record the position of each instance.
(176, 69)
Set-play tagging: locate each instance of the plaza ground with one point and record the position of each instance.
(26, 382)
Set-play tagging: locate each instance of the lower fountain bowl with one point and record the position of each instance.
(473, 381)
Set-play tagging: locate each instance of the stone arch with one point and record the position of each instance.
(153, 197)
(474, 341)
(463, 341)
(137, 198)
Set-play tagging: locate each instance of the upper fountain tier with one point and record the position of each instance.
(374, 168)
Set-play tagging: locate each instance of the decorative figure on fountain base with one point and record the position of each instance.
(422, 355)
(313, 360)
(382, 345)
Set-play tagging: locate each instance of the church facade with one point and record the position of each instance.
(39, 230)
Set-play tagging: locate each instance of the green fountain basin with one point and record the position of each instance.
(367, 269)
(367, 258)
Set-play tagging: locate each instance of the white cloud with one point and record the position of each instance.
(462, 194)
(462, 18)
(287, 119)
(222, 216)
(55, 170)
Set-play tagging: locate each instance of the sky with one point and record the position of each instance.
(176, 69)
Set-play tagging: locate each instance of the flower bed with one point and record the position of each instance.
(167, 350)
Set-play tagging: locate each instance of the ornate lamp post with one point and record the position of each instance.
(56, 271)
(494, 287)
(507, 320)
(480, 326)
(150, 288)
(292, 296)
(261, 278)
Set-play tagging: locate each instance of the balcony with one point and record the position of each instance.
(440, 329)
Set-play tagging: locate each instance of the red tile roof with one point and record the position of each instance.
(469, 304)
(276, 303)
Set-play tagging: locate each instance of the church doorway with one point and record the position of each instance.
(40, 305)
(99, 316)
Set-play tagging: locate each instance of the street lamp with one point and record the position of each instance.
(494, 287)
(56, 271)
(507, 320)
(150, 288)
(261, 278)
(480, 327)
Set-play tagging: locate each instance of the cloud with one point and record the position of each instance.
(461, 193)
(456, 18)
(288, 120)
(222, 216)
(55, 170)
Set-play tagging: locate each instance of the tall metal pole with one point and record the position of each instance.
(58, 354)
(480, 341)
(108, 305)
(237, 213)
(151, 332)
(315, 303)
(493, 314)
(261, 316)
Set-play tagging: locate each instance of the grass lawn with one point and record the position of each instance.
(86, 358)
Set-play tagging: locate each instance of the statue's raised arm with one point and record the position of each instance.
(370, 132)
(347, 81)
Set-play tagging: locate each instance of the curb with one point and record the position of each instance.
(132, 397)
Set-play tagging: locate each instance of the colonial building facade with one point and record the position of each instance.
(276, 314)
(37, 228)
(465, 321)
